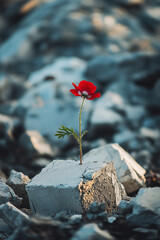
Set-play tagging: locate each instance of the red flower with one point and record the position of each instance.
(85, 89)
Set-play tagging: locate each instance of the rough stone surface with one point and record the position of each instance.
(92, 232)
(5, 230)
(125, 207)
(12, 215)
(80, 185)
(17, 181)
(146, 208)
(129, 172)
(147, 198)
(8, 195)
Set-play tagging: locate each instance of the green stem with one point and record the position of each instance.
(80, 135)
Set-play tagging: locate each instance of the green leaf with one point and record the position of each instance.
(65, 131)
(84, 133)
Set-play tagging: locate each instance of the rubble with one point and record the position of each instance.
(146, 208)
(8, 195)
(12, 216)
(114, 44)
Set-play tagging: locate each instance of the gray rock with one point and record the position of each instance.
(150, 17)
(23, 41)
(35, 144)
(17, 181)
(2, 175)
(40, 162)
(146, 208)
(129, 172)
(45, 228)
(135, 114)
(102, 120)
(5, 230)
(8, 195)
(11, 87)
(124, 67)
(19, 49)
(91, 232)
(107, 114)
(147, 198)
(96, 181)
(125, 207)
(153, 134)
(124, 136)
(12, 216)
(37, 96)
(144, 158)
(97, 208)
(148, 234)
(9, 126)
(111, 219)
(67, 68)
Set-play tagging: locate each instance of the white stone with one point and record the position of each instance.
(91, 231)
(129, 172)
(111, 219)
(66, 185)
(76, 216)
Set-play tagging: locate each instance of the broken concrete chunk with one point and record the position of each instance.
(92, 232)
(51, 192)
(129, 172)
(17, 181)
(8, 195)
(12, 216)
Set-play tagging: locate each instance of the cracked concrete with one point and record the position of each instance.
(66, 185)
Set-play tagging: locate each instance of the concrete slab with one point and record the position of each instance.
(66, 185)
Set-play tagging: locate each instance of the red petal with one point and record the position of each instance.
(87, 86)
(93, 96)
(74, 92)
(75, 86)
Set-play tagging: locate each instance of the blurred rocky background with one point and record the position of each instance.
(45, 45)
